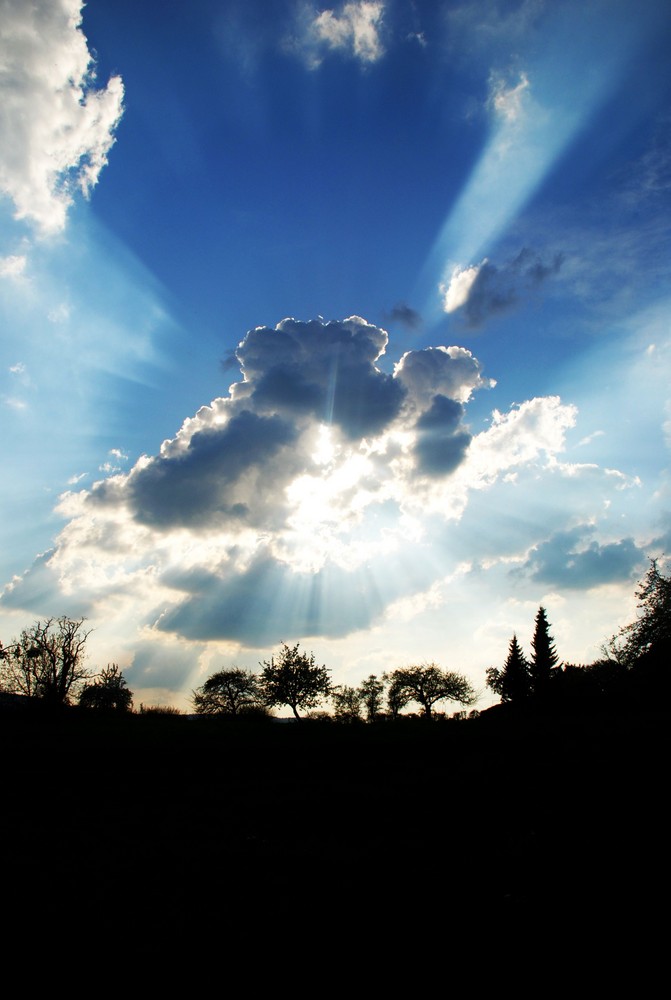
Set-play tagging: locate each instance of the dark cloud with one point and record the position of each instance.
(405, 316)
(445, 371)
(441, 443)
(286, 389)
(198, 485)
(270, 603)
(497, 289)
(443, 415)
(327, 370)
(565, 560)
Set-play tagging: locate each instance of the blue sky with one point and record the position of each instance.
(343, 324)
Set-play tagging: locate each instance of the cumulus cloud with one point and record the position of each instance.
(295, 504)
(571, 559)
(353, 29)
(56, 128)
(455, 292)
(484, 290)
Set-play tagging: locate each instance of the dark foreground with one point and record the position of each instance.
(165, 818)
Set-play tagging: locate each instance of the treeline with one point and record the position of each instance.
(295, 681)
(47, 663)
(634, 664)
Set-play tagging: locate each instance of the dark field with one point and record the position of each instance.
(157, 815)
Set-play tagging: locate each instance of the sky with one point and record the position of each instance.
(346, 325)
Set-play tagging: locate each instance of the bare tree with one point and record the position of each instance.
(47, 661)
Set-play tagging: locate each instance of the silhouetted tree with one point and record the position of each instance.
(544, 659)
(346, 703)
(47, 661)
(294, 679)
(109, 693)
(427, 684)
(228, 692)
(650, 634)
(371, 695)
(513, 681)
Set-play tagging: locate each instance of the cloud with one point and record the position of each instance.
(507, 100)
(445, 371)
(455, 293)
(485, 290)
(353, 29)
(570, 559)
(405, 316)
(12, 266)
(56, 129)
(441, 443)
(299, 503)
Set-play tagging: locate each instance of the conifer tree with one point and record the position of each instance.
(513, 681)
(544, 657)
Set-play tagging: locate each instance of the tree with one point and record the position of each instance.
(650, 635)
(108, 693)
(544, 659)
(228, 692)
(346, 703)
(513, 681)
(427, 684)
(294, 679)
(370, 696)
(47, 661)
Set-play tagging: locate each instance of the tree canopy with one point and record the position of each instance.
(427, 684)
(371, 697)
(346, 703)
(228, 692)
(650, 634)
(294, 679)
(108, 692)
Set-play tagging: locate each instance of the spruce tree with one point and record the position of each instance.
(544, 657)
(513, 681)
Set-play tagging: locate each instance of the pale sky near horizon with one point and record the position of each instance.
(346, 324)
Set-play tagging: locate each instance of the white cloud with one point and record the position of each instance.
(455, 292)
(590, 437)
(353, 29)
(56, 129)
(507, 100)
(15, 404)
(12, 266)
